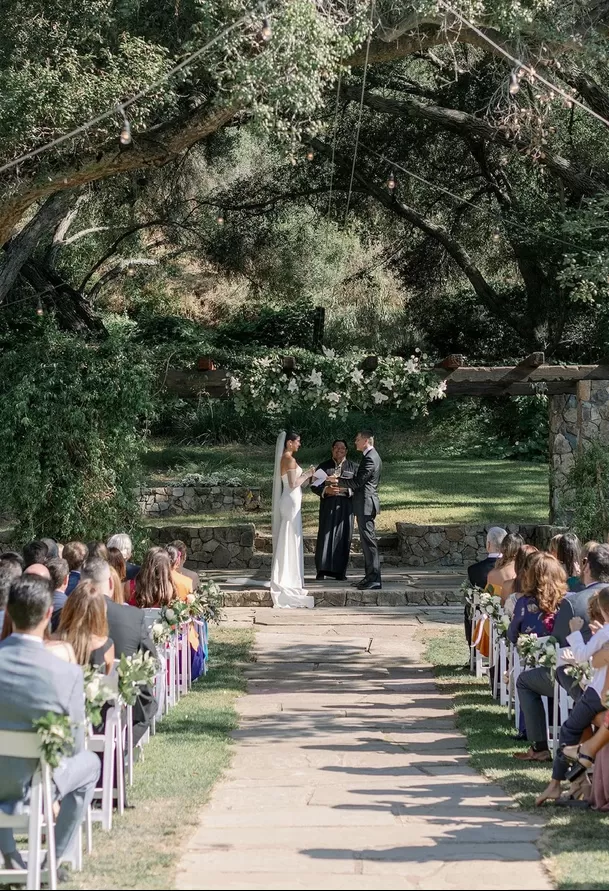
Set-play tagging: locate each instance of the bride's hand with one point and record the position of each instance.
(311, 470)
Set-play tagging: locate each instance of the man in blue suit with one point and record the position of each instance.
(35, 682)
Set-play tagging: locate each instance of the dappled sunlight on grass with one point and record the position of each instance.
(575, 841)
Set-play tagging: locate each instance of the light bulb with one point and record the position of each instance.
(266, 33)
(220, 219)
(514, 84)
(310, 154)
(125, 136)
(496, 236)
(391, 182)
(40, 308)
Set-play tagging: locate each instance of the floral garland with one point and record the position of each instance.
(581, 672)
(491, 605)
(471, 597)
(334, 384)
(135, 672)
(97, 693)
(501, 626)
(55, 736)
(535, 652)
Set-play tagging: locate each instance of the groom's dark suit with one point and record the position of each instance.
(366, 506)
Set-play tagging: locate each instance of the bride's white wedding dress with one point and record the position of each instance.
(287, 570)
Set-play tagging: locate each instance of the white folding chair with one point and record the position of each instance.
(502, 667)
(184, 659)
(22, 744)
(110, 744)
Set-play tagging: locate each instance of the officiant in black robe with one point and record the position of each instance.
(335, 516)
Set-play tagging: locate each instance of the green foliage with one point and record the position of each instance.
(588, 495)
(270, 326)
(56, 737)
(71, 417)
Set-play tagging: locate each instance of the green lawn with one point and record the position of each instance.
(414, 488)
(575, 841)
(189, 753)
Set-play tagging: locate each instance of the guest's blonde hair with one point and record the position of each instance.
(118, 591)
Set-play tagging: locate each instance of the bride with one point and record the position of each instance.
(287, 571)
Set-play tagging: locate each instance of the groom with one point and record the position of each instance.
(366, 505)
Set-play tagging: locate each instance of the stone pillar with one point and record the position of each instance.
(574, 421)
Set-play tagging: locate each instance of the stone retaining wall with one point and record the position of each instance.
(352, 597)
(458, 545)
(213, 547)
(169, 501)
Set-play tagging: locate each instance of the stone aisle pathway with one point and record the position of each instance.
(349, 773)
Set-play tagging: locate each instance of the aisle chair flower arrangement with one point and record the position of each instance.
(56, 737)
(135, 672)
(98, 691)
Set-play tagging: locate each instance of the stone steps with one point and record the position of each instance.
(392, 595)
(388, 543)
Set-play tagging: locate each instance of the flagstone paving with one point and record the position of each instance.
(348, 772)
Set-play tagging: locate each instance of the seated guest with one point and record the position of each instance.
(9, 571)
(478, 572)
(587, 708)
(554, 544)
(193, 576)
(512, 588)
(52, 547)
(118, 589)
(182, 582)
(75, 554)
(569, 554)
(505, 569)
(60, 573)
(536, 683)
(33, 684)
(154, 585)
(123, 542)
(183, 586)
(35, 552)
(545, 584)
(14, 556)
(84, 624)
(127, 628)
(97, 549)
(58, 648)
(117, 562)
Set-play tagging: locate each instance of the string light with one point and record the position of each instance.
(391, 183)
(266, 33)
(496, 235)
(514, 84)
(125, 137)
(220, 218)
(39, 307)
(143, 92)
(310, 154)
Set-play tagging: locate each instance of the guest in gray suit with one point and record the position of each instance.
(35, 682)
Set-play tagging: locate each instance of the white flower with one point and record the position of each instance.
(380, 397)
(357, 376)
(92, 688)
(292, 386)
(437, 392)
(234, 383)
(170, 615)
(329, 354)
(272, 406)
(411, 366)
(265, 362)
(333, 397)
(388, 383)
(315, 378)
(190, 598)
(157, 628)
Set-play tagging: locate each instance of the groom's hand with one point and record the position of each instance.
(332, 490)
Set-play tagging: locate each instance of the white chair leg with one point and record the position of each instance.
(34, 862)
(130, 745)
(89, 827)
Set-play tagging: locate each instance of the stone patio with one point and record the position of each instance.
(402, 586)
(348, 772)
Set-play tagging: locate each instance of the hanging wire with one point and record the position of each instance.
(338, 88)
(522, 66)
(361, 108)
(495, 214)
(128, 102)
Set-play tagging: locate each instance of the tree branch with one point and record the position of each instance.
(463, 123)
(149, 149)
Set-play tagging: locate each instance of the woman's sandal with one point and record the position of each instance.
(583, 763)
